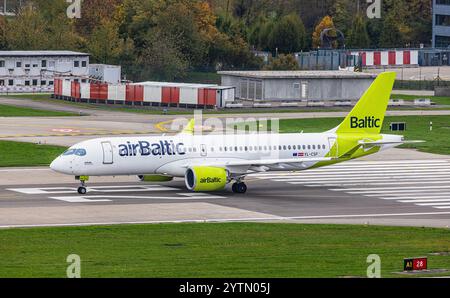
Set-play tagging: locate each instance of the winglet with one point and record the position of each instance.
(189, 128)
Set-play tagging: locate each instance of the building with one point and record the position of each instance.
(165, 94)
(441, 23)
(34, 71)
(297, 85)
(106, 73)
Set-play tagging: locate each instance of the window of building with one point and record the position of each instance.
(27, 65)
(2, 82)
(2, 63)
(50, 83)
(27, 83)
(35, 82)
(44, 63)
(76, 63)
(35, 65)
(442, 41)
(442, 20)
(43, 83)
(443, 2)
(18, 64)
(11, 82)
(83, 63)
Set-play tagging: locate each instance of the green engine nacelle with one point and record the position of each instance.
(206, 178)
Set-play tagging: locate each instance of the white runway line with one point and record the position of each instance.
(443, 181)
(108, 198)
(400, 181)
(106, 189)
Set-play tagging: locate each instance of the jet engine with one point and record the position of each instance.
(206, 178)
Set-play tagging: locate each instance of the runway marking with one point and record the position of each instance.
(194, 220)
(108, 198)
(107, 189)
(73, 198)
(389, 176)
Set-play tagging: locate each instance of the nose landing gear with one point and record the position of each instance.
(82, 190)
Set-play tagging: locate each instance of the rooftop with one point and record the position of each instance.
(299, 74)
(40, 53)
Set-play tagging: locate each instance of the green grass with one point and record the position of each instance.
(440, 100)
(14, 111)
(218, 250)
(18, 154)
(418, 128)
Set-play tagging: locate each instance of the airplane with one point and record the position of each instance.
(210, 162)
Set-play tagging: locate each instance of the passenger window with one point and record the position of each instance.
(314, 147)
(304, 147)
(324, 147)
(309, 147)
(289, 147)
(294, 147)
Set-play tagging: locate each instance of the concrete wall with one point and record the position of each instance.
(306, 89)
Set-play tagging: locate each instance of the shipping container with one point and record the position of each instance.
(66, 88)
(85, 90)
(392, 58)
(134, 93)
(376, 58)
(406, 57)
(152, 93)
(116, 92)
(189, 95)
(75, 90)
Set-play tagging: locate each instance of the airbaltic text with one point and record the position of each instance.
(144, 148)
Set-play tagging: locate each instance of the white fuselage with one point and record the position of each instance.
(170, 155)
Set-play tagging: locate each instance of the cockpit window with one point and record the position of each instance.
(80, 152)
(69, 152)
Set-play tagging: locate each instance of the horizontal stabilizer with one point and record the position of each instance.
(380, 143)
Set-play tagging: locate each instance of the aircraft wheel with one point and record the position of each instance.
(239, 187)
(82, 190)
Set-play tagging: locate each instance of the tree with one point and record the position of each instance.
(105, 44)
(288, 35)
(161, 59)
(390, 35)
(283, 62)
(3, 30)
(325, 23)
(358, 36)
(27, 31)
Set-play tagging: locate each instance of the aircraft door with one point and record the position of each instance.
(107, 153)
(203, 150)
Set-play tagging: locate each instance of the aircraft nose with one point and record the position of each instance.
(58, 165)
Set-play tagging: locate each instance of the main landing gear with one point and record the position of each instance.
(82, 190)
(239, 187)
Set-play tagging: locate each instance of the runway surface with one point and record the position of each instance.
(393, 192)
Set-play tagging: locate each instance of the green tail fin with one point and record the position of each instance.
(368, 114)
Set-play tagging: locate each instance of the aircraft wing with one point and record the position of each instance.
(258, 164)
